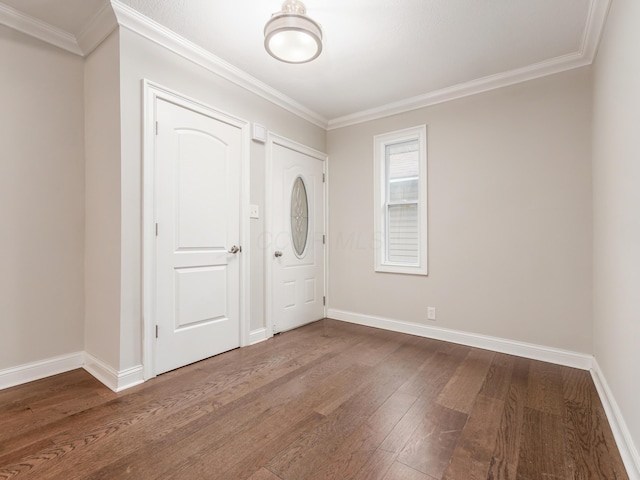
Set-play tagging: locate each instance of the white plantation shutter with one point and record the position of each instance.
(400, 195)
(402, 244)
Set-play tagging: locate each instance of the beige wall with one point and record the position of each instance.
(142, 59)
(616, 203)
(41, 201)
(102, 232)
(87, 156)
(509, 216)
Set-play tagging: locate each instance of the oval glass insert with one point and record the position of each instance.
(299, 216)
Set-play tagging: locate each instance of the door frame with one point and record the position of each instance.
(152, 92)
(272, 140)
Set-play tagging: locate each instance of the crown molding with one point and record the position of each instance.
(93, 33)
(38, 29)
(101, 25)
(491, 82)
(147, 28)
(596, 19)
(116, 13)
(598, 13)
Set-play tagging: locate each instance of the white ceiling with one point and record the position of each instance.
(379, 56)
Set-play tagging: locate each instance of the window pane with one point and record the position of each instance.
(299, 216)
(402, 241)
(405, 190)
(402, 170)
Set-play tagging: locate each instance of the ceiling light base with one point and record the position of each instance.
(291, 36)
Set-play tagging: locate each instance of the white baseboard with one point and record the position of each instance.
(29, 372)
(626, 446)
(536, 352)
(258, 336)
(115, 380)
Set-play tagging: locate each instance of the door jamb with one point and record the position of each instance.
(275, 139)
(151, 93)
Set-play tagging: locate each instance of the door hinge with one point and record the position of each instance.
(156, 229)
(324, 300)
(323, 178)
(156, 331)
(156, 128)
(323, 239)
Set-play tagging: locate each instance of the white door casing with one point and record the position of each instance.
(195, 293)
(296, 280)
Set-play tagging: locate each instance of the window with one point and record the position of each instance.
(400, 171)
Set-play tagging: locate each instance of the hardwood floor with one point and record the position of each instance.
(330, 400)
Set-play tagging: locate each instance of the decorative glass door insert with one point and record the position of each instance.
(299, 216)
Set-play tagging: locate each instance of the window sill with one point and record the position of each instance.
(402, 269)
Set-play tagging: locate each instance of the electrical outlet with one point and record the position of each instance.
(431, 313)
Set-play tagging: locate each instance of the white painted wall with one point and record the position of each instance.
(509, 216)
(616, 207)
(140, 59)
(41, 201)
(103, 190)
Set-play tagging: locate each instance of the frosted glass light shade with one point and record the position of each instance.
(292, 37)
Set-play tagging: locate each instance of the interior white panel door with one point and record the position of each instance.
(197, 199)
(297, 282)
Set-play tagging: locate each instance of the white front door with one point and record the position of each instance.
(297, 234)
(197, 201)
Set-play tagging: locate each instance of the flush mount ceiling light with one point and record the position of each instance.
(291, 36)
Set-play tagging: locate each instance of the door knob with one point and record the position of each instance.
(278, 253)
(235, 249)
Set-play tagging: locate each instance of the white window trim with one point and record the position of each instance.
(380, 143)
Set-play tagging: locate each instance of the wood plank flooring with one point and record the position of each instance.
(330, 400)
